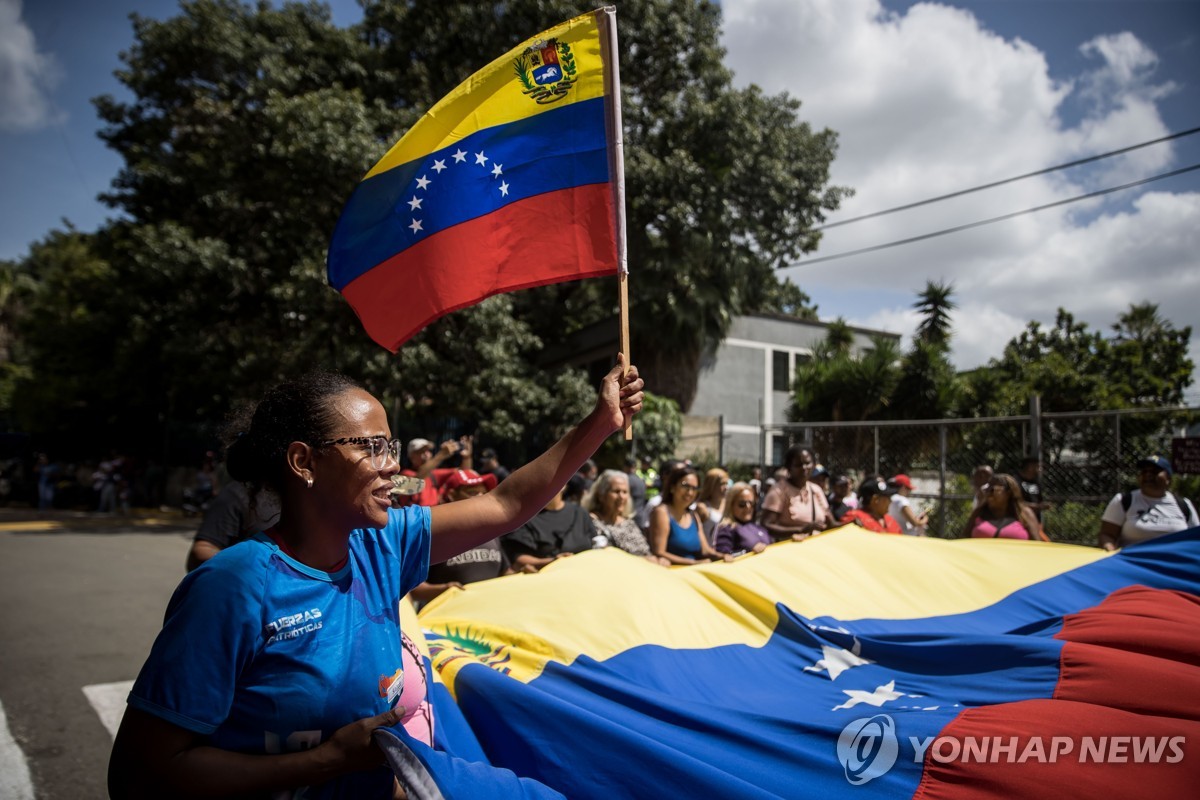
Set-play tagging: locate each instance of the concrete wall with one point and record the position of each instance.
(737, 379)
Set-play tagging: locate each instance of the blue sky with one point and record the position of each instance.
(927, 98)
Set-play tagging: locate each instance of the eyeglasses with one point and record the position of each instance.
(995, 487)
(688, 487)
(744, 504)
(378, 447)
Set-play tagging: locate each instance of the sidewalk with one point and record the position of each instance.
(30, 520)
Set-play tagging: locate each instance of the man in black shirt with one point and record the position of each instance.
(1029, 477)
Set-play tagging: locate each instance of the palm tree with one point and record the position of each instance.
(935, 304)
(838, 336)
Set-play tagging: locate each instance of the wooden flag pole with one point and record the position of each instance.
(623, 284)
(607, 19)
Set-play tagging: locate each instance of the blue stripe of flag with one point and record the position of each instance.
(390, 212)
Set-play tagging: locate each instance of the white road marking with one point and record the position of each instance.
(15, 782)
(108, 699)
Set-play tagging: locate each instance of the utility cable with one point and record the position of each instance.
(981, 223)
(994, 184)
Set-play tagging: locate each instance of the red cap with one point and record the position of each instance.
(903, 480)
(467, 477)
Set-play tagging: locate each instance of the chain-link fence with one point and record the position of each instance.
(1086, 458)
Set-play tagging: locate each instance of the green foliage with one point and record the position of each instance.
(1074, 523)
(928, 386)
(657, 430)
(935, 302)
(1073, 368)
(247, 127)
(837, 385)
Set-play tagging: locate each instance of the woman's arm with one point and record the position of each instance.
(778, 531)
(706, 549)
(912, 517)
(724, 538)
(427, 591)
(527, 562)
(1030, 521)
(1110, 536)
(151, 758)
(457, 527)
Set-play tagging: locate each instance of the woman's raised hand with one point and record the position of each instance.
(621, 394)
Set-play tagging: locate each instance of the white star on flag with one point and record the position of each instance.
(415, 203)
(882, 694)
(439, 165)
(460, 156)
(503, 189)
(422, 182)
(480, 158)
(498, 170)
(416, 225)
(837, 660)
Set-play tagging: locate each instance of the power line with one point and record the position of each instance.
(994, 184)
(981, 223)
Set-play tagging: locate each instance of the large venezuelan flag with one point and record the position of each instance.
(851, 665)
(512, 180)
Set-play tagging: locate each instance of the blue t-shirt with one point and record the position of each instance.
(263, 654)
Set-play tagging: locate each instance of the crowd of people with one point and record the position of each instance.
(676, 515)
(295, 632)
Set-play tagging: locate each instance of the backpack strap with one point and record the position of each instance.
(1185, 507)
(1126, 499)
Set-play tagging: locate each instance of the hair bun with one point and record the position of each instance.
(241, 458)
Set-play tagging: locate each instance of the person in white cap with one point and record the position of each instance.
(425, 465)
(1149, 511)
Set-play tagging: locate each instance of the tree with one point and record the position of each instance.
(837, 385)
(1149, 364)
(935, 302)
(928, 385)
(249, 126)
(1073, 368)
(657, 430)
(67, 332)
(838, 337)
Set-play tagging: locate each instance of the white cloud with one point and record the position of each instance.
(26, 76)
(930, 101)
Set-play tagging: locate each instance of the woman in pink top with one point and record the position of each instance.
(796, 508)
(1002, 514)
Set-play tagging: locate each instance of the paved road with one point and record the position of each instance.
(81, 600)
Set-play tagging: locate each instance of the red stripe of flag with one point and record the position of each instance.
(528, 239)
(1129, 677)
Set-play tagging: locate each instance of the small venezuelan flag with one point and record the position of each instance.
(512, 180)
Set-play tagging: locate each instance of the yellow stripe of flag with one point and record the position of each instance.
(605, 602)
(496, 96)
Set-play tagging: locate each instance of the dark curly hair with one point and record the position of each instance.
(676, 475)
(299, 410)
